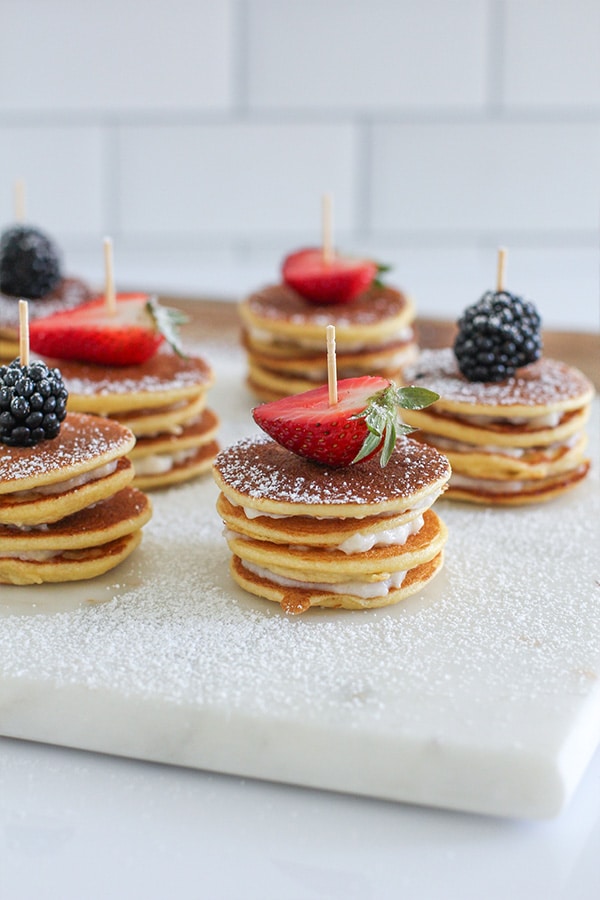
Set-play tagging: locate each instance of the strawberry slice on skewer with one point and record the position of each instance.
(363, 422)
(331, 279)
(90, 334)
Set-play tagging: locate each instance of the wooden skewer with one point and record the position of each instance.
(109, 278)
(327, 220)
(331, 366)
(19, 200)
(501, 271)
(24, 332)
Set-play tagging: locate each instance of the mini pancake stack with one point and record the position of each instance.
(67, 510)
(284, 336)
(354, 537)
(517, 441)
(163, 402)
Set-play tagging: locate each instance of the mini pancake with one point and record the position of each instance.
(76, 565)
(514, 442)
(84, 443)
(167, 459)
(307, 531)
(93, 539)
(37, 507)
(308, 535)
(163, 380)
(294, 598)
(375, 315)
(260, 474)
(162, 419)
(284, 336)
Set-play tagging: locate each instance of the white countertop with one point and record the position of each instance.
(76, 824)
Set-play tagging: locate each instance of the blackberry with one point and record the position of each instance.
(29, 263)
(33, 403)
(496, 336)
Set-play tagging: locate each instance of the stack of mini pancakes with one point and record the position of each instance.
(514, 442)
(284, 337)
(163, 402)
(356, 537)
(67, 510)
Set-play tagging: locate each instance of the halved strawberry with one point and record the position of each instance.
(328, 281)
(363, 421)
(90, 334)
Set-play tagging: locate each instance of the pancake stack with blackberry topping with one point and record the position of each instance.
(511, 422)
(67, 510)
(120, 357)
(31, 269)
(332, 507)
(283, 325)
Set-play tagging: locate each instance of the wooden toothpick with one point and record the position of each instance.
(331, 366)
(501, 271)
(24, 332)
(327, 223)
(109, 278)
(19, 198)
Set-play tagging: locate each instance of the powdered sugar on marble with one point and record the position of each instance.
(512, 622)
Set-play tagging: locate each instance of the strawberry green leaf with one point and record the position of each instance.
(167, 321)
(383, 422)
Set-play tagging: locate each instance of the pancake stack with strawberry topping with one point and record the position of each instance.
(332, 506)
(67, 508)
(284, 324)
(31, 269)
(511, 421)
(126, 363)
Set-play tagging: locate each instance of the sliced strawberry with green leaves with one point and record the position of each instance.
(363, 422)
(334, 280)
(89, 333)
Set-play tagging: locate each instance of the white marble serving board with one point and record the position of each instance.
(482, 693)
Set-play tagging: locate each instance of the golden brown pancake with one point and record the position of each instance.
(354, 537)
(515, 442)
(284, 337)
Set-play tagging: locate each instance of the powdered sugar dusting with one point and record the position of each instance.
(82, 441)
(280, 303)
(545, 382)
(507, 635)
(261, 468)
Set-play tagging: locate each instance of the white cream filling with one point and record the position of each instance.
(360, 543)
(60, 487)
(422, 504)
(362, 589)
(159, 463)
(32, 556)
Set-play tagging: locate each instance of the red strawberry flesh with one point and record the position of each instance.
(327, 281)
(309, 426)
(90, 333)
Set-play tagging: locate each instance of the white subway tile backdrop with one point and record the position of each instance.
(201, 134)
